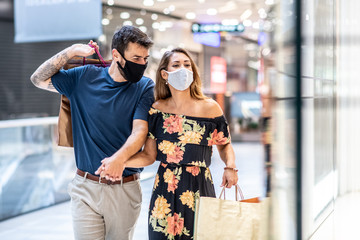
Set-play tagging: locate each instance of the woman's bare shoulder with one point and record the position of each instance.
(160, 104)
(211, 108)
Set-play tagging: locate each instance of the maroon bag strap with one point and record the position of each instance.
(103, 63)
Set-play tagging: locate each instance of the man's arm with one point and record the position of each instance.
(113, 167)
(41, 78)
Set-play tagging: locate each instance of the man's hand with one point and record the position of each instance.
(83, 50)
(111, 169)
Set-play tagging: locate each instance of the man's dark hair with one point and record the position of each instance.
(128, 34)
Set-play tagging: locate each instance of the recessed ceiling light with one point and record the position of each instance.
(139, 21)
(166, 11)
(124, 15)
(190, 15)
(128, 23)
(110, 2)
(148, 3)
(108, 11)
(155, 25)
(171, 8)
(154, 16)
(143, 28)
(105, 21)
(143, 12)
(211, 11)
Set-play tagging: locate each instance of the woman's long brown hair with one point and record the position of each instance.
(162, 90)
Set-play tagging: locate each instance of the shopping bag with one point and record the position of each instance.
(65, 137)
(221, 219)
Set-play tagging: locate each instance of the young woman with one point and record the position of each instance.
(183, 127)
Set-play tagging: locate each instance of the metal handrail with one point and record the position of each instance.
(28, 122)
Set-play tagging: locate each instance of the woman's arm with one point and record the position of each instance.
(144, 158)
(227, 154)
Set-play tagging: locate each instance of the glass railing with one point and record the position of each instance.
(34, 170)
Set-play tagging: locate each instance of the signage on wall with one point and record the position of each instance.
(216, 27)
(218, 74)
(57, 20)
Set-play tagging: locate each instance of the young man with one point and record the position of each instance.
(109, 110)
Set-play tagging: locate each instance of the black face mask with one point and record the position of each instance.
(133, 71)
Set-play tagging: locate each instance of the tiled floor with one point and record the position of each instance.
(55, 222)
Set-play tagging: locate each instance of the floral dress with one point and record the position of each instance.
(184, 147)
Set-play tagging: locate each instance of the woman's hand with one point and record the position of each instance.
(230, 177)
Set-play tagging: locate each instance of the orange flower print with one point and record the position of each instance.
(167, 147)
(173, 185)
(164, 165)
(168, 175)
(190, 137)
(194, 170)
(173, 124)
(156, 183)
(176, 156)
(152, 111)
(175, 224)
(217, 138)
(187, 198)
(161, 208)
(171, 180)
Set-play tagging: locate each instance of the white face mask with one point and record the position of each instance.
(180, 79)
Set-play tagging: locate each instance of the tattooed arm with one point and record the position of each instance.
(41, 78)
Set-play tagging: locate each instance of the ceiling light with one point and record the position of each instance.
(154, 16)
(166, 11)
(139, 21)
(110, 2)
(262, 13)
(102, 38)
(245, 15)
(211, 11)
(269, 2)
(148, 3)
(124, 15)
(129, 23)
(105, 21)
(143, 28)
(171, 8)
(190, 15)
(108, 11)
(155, 25)
(143, 12)
(201, 1)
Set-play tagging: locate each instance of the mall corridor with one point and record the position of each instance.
(55, 222)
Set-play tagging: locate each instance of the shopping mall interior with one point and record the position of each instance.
(283, 72)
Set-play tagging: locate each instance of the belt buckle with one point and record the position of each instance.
(106, 182)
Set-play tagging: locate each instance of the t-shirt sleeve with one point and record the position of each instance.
(152, 122)
(65, 80)
(144, 104)
(221, 134)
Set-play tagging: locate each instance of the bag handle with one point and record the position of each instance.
(103, 63)
(238, 192)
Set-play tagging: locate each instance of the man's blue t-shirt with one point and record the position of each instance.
(102, 112)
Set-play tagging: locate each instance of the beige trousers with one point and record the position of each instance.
(101, 211)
